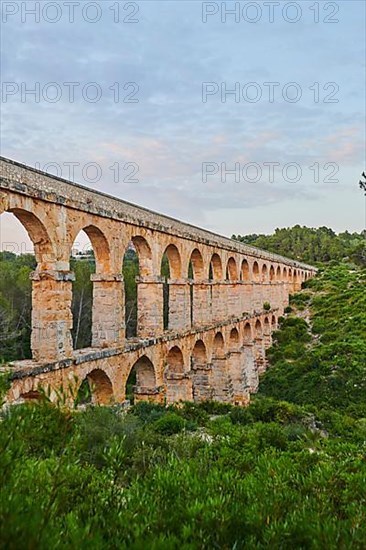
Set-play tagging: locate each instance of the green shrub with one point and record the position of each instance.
(42, 428)
(193, 413)
(100, 427)
(169, 424)
(270, 410)
(300, 299)
(295, 432)
(215, 407)
(241, 415)
(148, 412)
(271, 435)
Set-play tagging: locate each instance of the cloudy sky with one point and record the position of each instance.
(133, 98)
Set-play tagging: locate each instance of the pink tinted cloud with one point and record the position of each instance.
(343, 146)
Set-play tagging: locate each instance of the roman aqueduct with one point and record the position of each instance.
(213, 346)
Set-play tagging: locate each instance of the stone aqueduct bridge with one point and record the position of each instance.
(218, 330)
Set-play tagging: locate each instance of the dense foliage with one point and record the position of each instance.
(277, 474)
(15, 305)
(311, 245)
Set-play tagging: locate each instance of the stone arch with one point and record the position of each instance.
(278, 273)
(218, 346)
(272, 275)
(214, 297)
(176, 381)
(260, 343)
(267, 338)
(51, 290)
(24, 235)
(141, 381)
(144, 254)
(174, 259)
(104, 293)
(31, 396)
(38, 234)
(99, 244)
(196, 262)
(234, 338)
(177, 292)
(175, 361)
(235, 375)
(245, 271)
(196, 291)
(256, 275)
(216, 267)
(273, 322)
(289, 275)
(248, 337)
(83, 263)
(250, 371)
(264, 272)
(131, 272)
(101, 248)
(258, 329)
(145, 372)
(137, 272)
(201, 373)
(284, 274)
(231, 270)
(170, 267)
(199, 353)
(100, 387)
(221, 381)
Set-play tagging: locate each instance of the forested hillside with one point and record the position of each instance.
(321, 360)
(289, 471)
(311, 245)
